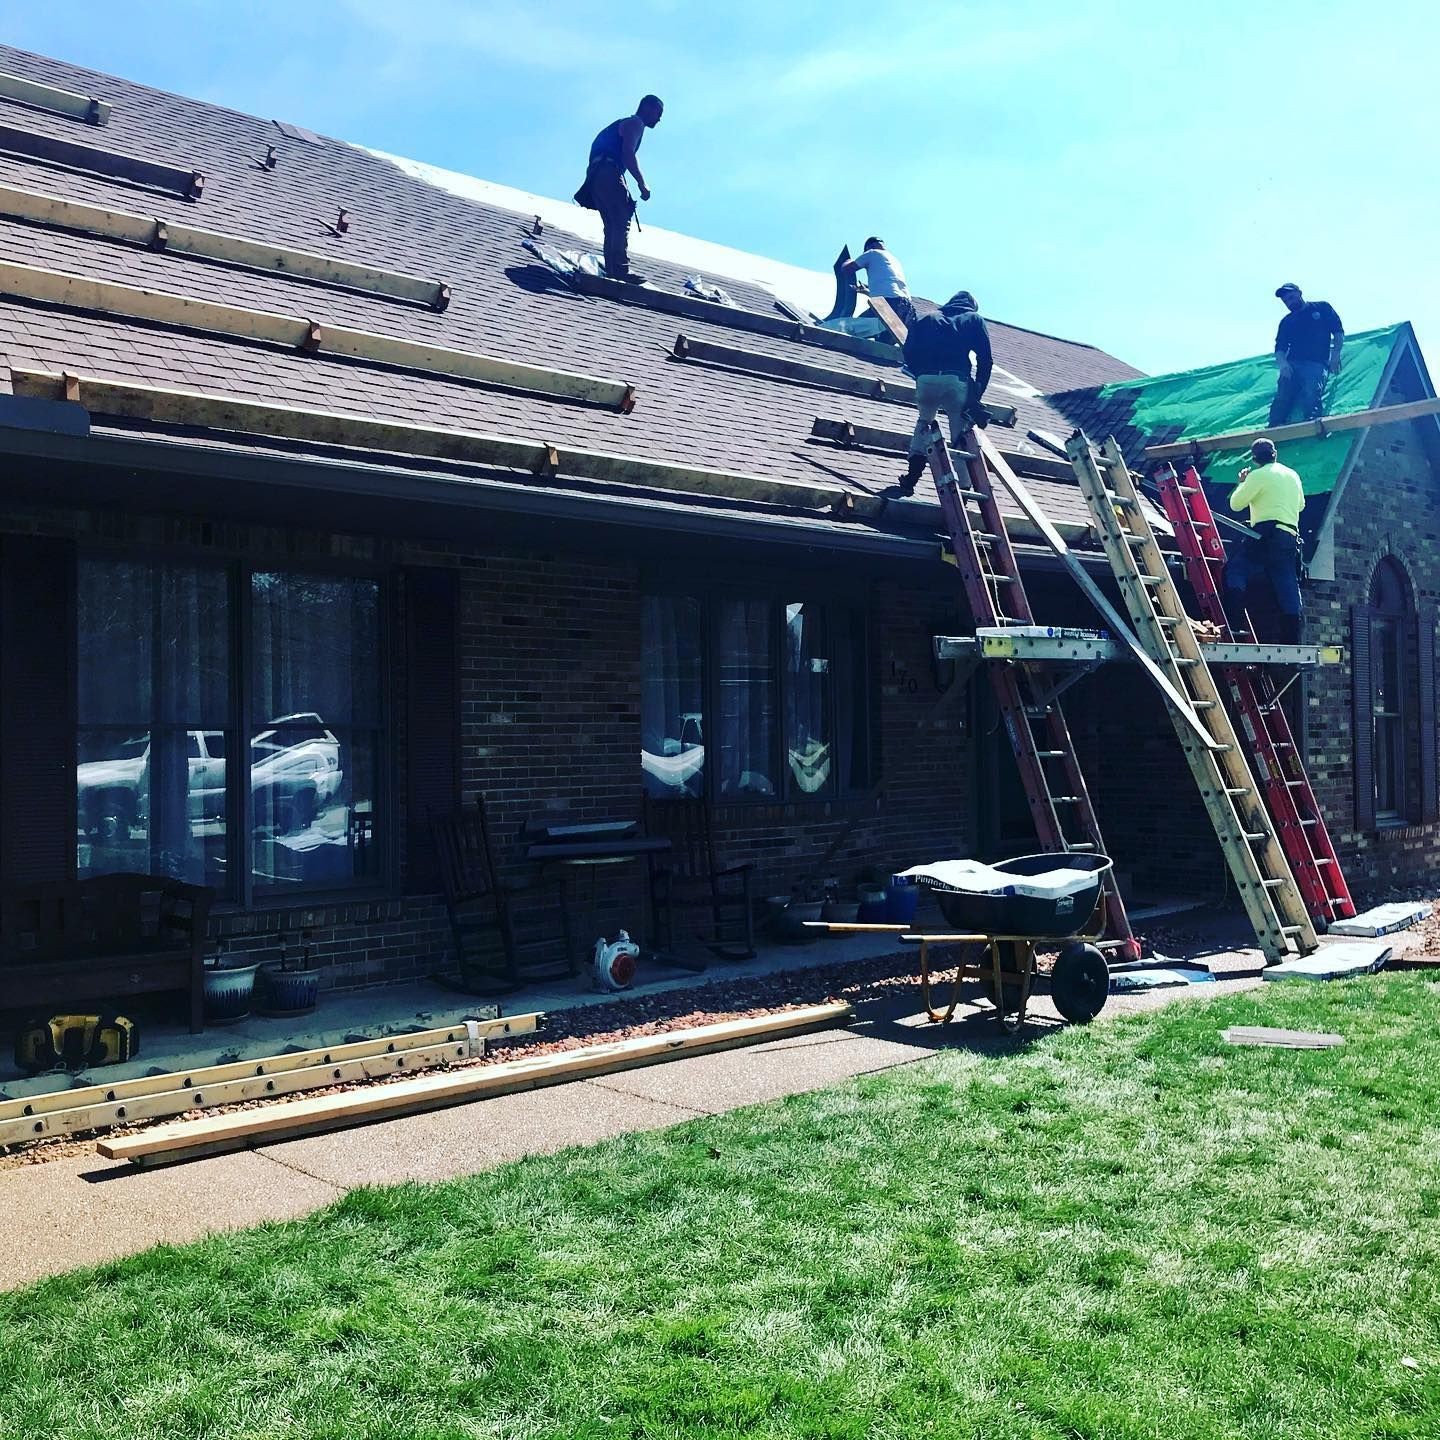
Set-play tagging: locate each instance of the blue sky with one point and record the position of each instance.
(1110, 171)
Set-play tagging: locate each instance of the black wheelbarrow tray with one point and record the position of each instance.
(1047, 896)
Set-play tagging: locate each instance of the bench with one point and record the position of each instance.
(103, 938)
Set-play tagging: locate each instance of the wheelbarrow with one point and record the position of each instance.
(1002, 914)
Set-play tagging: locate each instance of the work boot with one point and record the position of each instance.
(631, 278)
(912, 475)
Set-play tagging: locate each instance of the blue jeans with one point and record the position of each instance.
(1275, 555)
(1301, 389)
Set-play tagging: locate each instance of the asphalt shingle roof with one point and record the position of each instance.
(504, 304)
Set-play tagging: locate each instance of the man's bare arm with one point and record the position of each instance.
(630, 132)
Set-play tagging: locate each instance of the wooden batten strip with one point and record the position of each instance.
(164, 405)
(901, 392)
(167, 1143)
(108, 297)
(52, 97)
(734, 317)
(188, 184)
(178, 239)
(1302, 430)
(85, 1097)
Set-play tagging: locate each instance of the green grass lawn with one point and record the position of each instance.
(1126, 1231)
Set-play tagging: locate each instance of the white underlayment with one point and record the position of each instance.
(812, 290)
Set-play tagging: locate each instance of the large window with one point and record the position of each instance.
(154, 712)
(183, 668)
(780, 688)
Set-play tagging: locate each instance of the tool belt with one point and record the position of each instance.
(75, 1042)
(585, 195)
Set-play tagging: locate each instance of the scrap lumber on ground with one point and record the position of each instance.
(165, 1144)
(97, 1107)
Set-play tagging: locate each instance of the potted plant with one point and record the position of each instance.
(870, 891)
(289, 986)
(229, 987)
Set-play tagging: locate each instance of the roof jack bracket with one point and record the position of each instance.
(161, 238)
(313, 335)
(268, 163)
(441, 302)
(627, 401)
(548, 466)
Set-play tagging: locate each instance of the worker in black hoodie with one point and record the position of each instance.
(938, 353)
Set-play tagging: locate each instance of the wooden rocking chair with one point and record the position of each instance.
(690, 877)
(482, 904)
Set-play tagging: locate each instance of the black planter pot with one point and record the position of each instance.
(287, 992)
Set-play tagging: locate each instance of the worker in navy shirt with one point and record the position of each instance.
(612, 157)
(1307, 348)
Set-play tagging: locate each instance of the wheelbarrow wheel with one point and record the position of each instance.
(1080, 983)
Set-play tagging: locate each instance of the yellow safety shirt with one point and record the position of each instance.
(1273, 492)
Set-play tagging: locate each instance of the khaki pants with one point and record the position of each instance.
(934, 393)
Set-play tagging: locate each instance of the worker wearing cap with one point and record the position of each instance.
(1273, 495)
(1307, 347)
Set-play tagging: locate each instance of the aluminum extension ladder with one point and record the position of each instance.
(1255, 700)
(1044, 751)
(1261, 872)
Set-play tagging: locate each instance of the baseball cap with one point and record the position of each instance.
(1286, 288)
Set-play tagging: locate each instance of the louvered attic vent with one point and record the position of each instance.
(188, 184)
(51, 97)
(296, 132)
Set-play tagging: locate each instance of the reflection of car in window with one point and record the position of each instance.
(295, 770)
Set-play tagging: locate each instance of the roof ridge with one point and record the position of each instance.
(1109, 387)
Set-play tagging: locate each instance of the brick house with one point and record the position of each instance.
(256, 645)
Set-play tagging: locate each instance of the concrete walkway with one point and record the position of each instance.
(85, 1210)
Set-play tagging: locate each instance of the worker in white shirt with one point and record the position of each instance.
(884, 275)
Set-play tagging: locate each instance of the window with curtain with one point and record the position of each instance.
(314, 729)
(672, 708)
(777, 691)
(162, 733)
(154, 720)
(746, 684)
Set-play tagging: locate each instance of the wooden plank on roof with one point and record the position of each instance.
(1302, 430)
(188, 184)
(734, 317)
(51, 97)
(108, 297)
(177, 239)
(783, 367)
(165, 405)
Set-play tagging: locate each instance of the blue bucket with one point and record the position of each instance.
(902, 899)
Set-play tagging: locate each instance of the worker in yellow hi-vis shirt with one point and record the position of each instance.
(1273, 495)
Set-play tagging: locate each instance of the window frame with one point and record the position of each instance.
(1410, 623)
(242, 894)
(839, 605)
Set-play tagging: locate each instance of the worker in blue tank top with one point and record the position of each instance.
(612, 157)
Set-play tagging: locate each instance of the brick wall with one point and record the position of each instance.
(1391, 506)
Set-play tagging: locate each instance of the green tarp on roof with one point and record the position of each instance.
(1237, 396)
